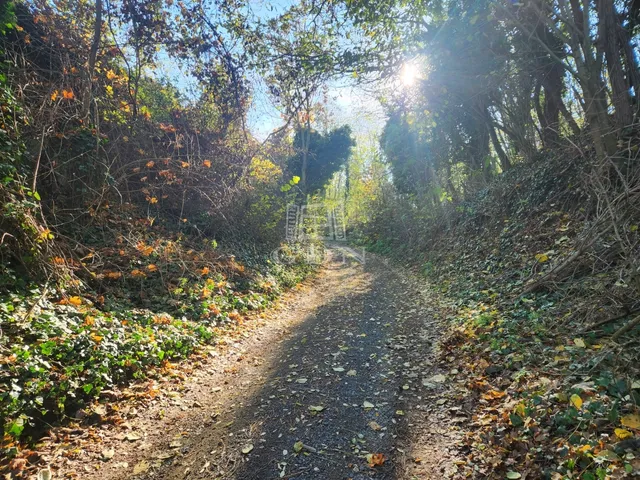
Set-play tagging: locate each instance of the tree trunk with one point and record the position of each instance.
(505, 164)
(569, 119)
(542, 118)
(608, 43)
(91, 61)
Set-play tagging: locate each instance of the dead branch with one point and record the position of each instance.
(629, 326)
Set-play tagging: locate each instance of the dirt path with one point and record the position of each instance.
(341, 383)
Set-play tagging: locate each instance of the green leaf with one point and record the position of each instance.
(16, 427)
(516, 421)
(513, 475)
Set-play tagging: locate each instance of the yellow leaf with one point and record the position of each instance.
(54, 96)
(151, 267)
(584, 448)
(579, 342)
(542, 257)
(621, 433)
(520, 409)
(576, 401)
(77, 301)
(631, 421)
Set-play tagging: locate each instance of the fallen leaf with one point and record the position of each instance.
(44, 474)
(631, 421)
(75, 300)
(366, 404)
(99, 410)
(621, 433)
(375, 459)
(579, 342)
(298, 446)
(439, 378)
(141, 467)
(374, 426)
(576, 401)
(493, 394)
(609, 455)
(247, 449)
(108, 453)
(513, 475)
(540, 257)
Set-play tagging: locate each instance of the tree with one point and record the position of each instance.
(324, 155)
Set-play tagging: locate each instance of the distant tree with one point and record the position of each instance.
(326, 155)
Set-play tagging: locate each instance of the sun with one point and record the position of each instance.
(409, 74)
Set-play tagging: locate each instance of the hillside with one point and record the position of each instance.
(528, 274)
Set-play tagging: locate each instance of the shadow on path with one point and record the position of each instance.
(335, 386)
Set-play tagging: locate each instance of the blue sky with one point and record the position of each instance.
(346, 102)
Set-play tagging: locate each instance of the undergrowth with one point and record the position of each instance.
(551, 395)
(145, 295)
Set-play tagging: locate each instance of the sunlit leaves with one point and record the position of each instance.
(631, 421)
(576, 401)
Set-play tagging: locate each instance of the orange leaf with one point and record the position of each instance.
(493, 394)
(207, 163)
(375, 459)
(150, 163)
(77, 301)
(151, 267)
(67, 94)
(184, 164)
(204, 270)
(54, 96)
